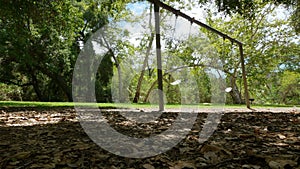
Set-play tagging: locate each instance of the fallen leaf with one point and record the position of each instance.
(281, 136)
(22, 155)
(281, 164)
(247, 166)
(148, 166)
(183, 164)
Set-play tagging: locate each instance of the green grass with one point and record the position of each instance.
(71, 104)
(113, 105)
(274, 106)
(47, 104)
(261, 106)
(34, 104)
(102, 105)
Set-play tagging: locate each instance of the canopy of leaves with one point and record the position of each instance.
(40, 41)
(271, 47)
(248, 8)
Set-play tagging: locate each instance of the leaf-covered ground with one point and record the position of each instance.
(53, 138)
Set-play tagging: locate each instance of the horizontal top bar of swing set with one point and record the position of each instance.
(193, 20)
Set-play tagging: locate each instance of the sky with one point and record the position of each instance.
(196, 11)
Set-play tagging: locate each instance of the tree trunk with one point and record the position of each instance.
(36, 87)
(60, 81)
(63, 85)
(235, 93)
(149, 91)
(121, 98)
(139, 85)
(110, 50)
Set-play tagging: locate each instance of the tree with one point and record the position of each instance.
(40, 41)
(268, 43)
(248, 8)
(289, 89)
(36, 38)
(149, 47)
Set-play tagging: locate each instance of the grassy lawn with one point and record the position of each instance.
(115, 105)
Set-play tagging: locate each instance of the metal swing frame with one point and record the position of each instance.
(157, 5)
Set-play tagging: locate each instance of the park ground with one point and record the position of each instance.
(52, 137)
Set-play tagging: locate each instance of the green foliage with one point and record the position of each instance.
(104, 75)
(249, 9)
(271, 46)
(10, 92)
(37, 38)
(245, 7)
(40, 41)
(204, 85)
(290, 88)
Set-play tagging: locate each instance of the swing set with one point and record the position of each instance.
(157, 5)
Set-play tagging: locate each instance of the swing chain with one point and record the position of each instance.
(175, 24)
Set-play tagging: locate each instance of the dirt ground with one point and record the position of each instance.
(54, 138)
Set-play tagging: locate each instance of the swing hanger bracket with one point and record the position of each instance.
(177, 12)
(192, 20)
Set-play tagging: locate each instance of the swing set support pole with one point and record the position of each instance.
(244, 76)
(158, 55)
(158, 3)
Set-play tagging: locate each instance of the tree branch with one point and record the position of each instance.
(261, 19)
(9, 82)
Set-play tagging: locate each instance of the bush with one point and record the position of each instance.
(10, 92)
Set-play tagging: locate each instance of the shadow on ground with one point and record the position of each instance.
(53, 138)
